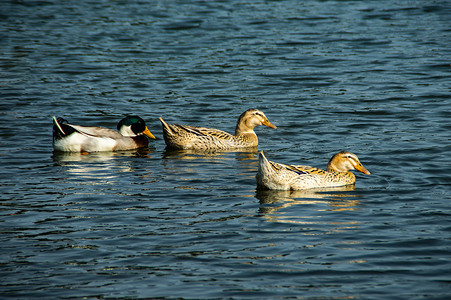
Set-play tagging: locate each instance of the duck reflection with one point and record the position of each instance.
(207, 168)
(272, 203)
(99, 165)
(241, 154)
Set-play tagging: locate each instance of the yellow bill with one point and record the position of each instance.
(269, 124)
(148, 133)
(361, 168)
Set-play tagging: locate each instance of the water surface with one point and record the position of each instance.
(370, 77)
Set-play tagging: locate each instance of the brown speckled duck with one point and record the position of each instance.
(276, 176)
(200, 138)
(131, 134)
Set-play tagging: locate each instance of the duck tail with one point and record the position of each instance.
(265, 171)
(264, 166)
(57, 126)
(166, 128)
(60, 128)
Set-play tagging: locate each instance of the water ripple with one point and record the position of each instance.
(336, 75)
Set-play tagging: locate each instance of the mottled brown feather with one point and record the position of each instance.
(277, 176)
(202, 138)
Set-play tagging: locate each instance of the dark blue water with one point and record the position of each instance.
(370, 77)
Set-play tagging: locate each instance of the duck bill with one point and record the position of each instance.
(269, 124)
(362, 169)
(148, 133)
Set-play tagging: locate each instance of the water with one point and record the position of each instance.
(370, 77)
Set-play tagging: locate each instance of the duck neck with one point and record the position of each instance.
(246, 135)
(127, 131)
(243, 131)
(141, 140)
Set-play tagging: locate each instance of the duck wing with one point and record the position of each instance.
(94, 131)
(300, 170)
(187, 130)
(61, 129)
(204, 131)
(308, 169)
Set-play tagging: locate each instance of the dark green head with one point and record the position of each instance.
(136, 124)
(132, 126)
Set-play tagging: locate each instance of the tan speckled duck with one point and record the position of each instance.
(75, 138)
(200, 138)
(276, 176)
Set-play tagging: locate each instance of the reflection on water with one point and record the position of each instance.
(138, 224)
(241, 154)
(99, 165)
(274, 204)
(334, 193)
(210, 170)
(62, 157)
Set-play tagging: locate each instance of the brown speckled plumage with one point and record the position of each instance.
(277, 176)
(201, 138)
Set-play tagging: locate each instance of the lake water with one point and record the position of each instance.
(370, 77)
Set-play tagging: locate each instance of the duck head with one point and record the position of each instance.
(346, 161)
(133, 126)
(252, 118)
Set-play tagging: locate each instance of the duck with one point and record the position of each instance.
(132, 134)
(184, 137)
(278, 176)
